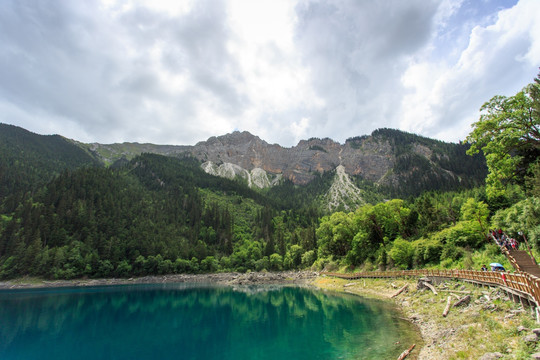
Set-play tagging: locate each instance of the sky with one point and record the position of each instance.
(181, 71)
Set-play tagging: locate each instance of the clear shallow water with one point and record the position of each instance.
(183, 321)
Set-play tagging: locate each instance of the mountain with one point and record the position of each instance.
(28, 160)
(388, 162)
(399, 163)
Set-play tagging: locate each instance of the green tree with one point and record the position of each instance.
(123, 269)
(523, 217)
(477, 212)
(276, 262)
(335, 234)
(508, 132)
(402, 253)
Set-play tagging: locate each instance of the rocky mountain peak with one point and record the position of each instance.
(236, 138)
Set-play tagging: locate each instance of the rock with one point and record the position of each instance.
(535, 356)
(531, 338)
(521, 328)
(491, 356)
(536, 331)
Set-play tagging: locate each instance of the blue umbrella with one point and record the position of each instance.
(496, 265)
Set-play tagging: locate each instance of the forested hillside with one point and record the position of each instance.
(28, 160)
(62, 215)
(155, 215)
(424, 164)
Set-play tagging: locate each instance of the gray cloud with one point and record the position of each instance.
(358, 49)
(71, 60)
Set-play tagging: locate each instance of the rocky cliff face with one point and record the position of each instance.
(370, 158)
(250, 152)
(257, 177)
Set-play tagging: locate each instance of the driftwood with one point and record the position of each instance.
(400, 290)
(447, 308)
(406, 353)
(463, 301)
(431, 287)
(425, 283)
(456, 291)
(349, 284)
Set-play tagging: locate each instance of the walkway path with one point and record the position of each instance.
(525, 262)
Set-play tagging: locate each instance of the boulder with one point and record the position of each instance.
(491, 356)
(531, 338)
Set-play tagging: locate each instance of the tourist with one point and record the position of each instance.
(484, 268)
(513, 243)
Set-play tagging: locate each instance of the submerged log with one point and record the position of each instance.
(447, 308)
(406, 353)
(400, 290)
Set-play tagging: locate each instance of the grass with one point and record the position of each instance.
(467, 332)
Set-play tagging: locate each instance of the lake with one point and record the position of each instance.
(198, 321)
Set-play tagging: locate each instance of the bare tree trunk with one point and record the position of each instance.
(400, 290)
(447, 308)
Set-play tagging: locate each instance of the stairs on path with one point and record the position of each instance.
(525, 262)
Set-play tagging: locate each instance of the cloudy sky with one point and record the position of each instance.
(178, 72)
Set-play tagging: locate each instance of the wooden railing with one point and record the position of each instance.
(521, 282)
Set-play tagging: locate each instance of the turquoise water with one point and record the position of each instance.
(182, 321)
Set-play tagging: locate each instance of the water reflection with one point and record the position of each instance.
(196, 322)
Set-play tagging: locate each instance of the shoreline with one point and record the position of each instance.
(233, 278)
(489, 327)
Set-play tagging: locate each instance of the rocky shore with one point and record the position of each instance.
(488, 326)
(253, 278)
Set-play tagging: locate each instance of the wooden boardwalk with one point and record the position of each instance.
(522, 287)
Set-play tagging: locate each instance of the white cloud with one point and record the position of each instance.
(500, 58)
